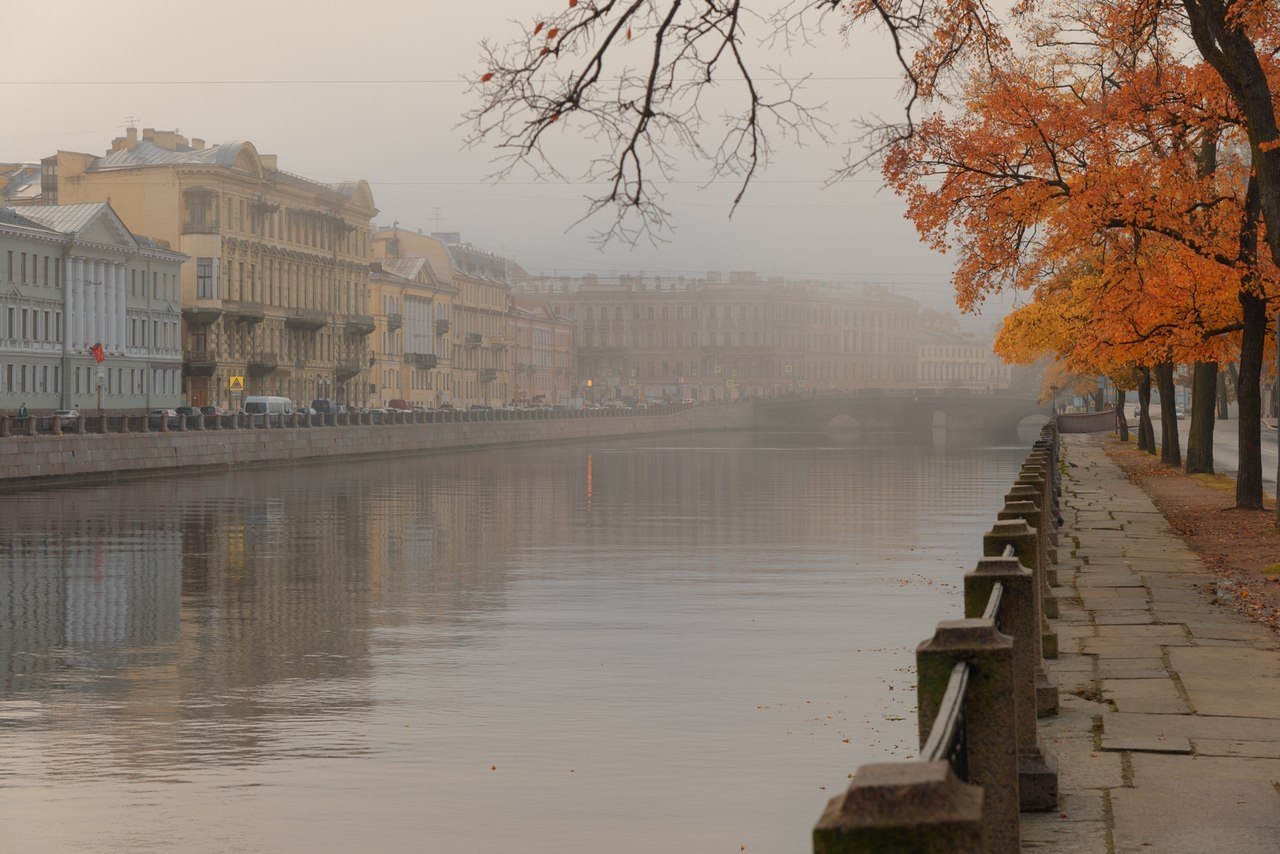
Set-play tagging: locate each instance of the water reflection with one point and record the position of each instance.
(707, 625)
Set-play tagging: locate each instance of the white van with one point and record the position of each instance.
(267, 405)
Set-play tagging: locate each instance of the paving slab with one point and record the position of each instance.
(1132, 668)
(1230, 681)
(1149, 696)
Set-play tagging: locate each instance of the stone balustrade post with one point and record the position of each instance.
(1037, 771)
(1037, 465)
(4, 427)
(56, 425)
(990, 717)
(1019, 534)
(903, 806)
(1028, 491)
(1031, 514)
(79, 425)
(164, 423)
(1033, 477)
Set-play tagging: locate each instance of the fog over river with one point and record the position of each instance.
(668, 644)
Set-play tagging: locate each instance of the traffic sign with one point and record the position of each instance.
(236, 384)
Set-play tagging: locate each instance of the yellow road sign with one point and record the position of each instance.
(236, 384)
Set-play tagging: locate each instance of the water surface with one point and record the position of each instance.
(676, 644)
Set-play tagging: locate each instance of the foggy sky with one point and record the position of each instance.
(230, 71)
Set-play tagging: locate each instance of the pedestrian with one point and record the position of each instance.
(22, 410)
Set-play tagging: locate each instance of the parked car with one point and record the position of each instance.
(212, 410)
(399, 404)
(159, 417)
(324, 405)
(267, 405)
(481, 407)
(304, 410)
(186, 410)
(68, 417)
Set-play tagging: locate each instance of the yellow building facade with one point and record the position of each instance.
(411, 356)
(542, 356)
(275, 293)
(480, 363)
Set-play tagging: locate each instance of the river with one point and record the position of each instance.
(669, 644)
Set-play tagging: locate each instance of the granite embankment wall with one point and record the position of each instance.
(31, 460)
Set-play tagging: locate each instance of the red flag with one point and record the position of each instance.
(97, 352)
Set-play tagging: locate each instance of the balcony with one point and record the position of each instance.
(202, 314)
(348, 368)
(261, 364)
(198, 363)
(196, 225)
(243, 311)
(442, 326)
(488, 375)
(474, 339)
(425, 361)
(498, 343)
(306, 319)
(359, 324)
(395, 321)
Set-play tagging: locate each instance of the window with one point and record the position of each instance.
(204, 278)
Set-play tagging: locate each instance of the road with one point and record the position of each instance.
(1226, 454)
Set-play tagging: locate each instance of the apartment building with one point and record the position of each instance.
(275, 288)
(717, 337)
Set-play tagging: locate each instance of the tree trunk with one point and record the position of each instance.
(1204, 385)
(1224, 399)
(1253, 340)
(1170, 444)
(1249, 395)
(1146, 433)
(1122, 423)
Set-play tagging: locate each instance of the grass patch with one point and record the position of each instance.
(1216, 481)
(1274, 569)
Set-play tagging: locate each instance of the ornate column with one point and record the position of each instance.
(91, 302)
(70, 341)
(122, 308)
(109, 316)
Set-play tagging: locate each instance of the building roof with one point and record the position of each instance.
(146, 153)
(67, 219)
(74, 220)
(9, 216)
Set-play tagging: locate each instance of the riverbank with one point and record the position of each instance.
(27, 461)
(1168, 734)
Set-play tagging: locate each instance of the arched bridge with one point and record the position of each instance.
(900, 411)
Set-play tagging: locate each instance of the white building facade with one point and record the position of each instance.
(71, 277)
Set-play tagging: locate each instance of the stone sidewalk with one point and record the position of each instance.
(1168, 738)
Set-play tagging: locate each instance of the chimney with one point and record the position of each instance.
(131, 135)
(269, 161)
(148, 134)
(197, 143)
